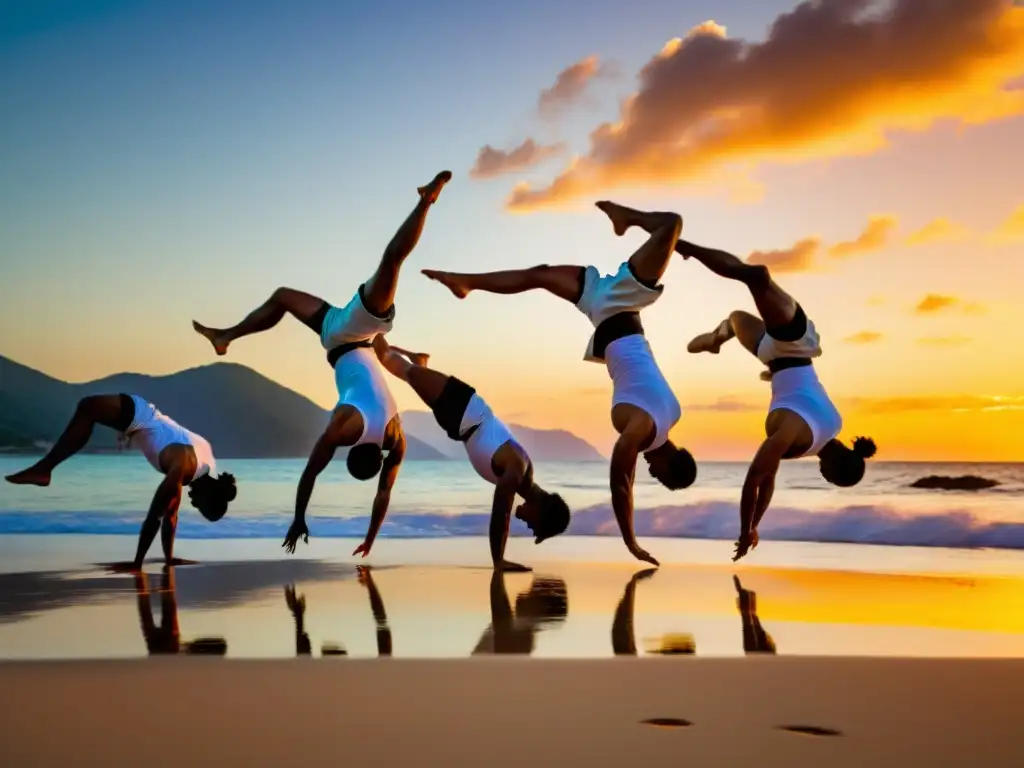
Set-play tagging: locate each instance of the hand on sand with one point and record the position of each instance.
(297, 531)
(363, 549)
(509, 567)
(643, 554)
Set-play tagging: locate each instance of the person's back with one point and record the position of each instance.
(151, 431)
(637, 380)
(361, 384)
(799, 390)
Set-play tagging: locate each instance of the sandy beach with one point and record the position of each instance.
(884, 712)
(437, 662)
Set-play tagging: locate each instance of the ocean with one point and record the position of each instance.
(104, 494)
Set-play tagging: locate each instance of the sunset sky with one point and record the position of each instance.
(167, 161)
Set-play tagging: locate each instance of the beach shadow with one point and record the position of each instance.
(544, 604)
(666, 722)
(165, 637)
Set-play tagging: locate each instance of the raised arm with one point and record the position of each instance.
(760, 480)
(622, 473)
(388, 475)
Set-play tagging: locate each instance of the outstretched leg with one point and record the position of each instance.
(106, 410)
(651, 259)
(411, 368)
(776, 307)
(303, 306)
(565, 281)
(739, 324)
(379, 292)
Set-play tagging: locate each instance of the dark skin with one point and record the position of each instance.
(787, 435)
(512, 632)
(346, 425)
(378, 294)
(345, 428)
(178, 464)
(511, 465)
(635, 426)
(297, 607)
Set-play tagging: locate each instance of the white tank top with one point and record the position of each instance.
(799, 390)
(637, 380)
(491, 433)
(361, 384)
(151, 431)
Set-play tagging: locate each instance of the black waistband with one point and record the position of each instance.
(334, 355)
(614, 328)
(782, 363)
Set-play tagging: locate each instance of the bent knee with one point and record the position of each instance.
(758, 276)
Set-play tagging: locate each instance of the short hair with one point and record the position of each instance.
(846, 468)
(681, 472)
(364, 461)
(216, 494)
(553, 518)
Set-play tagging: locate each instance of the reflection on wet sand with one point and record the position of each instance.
(297, 606)
(544, 604)
(755, 639)
(165, 637)
(624, 637)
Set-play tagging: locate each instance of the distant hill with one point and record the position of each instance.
(243, 414)
(541, 444)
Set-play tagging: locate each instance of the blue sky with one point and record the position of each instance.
(167, 161)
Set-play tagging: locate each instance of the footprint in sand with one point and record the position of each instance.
(809, 730)
(667, 722)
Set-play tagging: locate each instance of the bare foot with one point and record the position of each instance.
(711, 342)
(213, 336)
(30, 476)
(431, 191)
(450, 281)
(617, 214)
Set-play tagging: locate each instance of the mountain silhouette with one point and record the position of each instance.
(541, 444)
(242, 413)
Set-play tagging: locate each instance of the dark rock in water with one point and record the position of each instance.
(947, 483)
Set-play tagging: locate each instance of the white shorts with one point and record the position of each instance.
(607, 295)
(145, 413)
(353, 322)
(806, 346)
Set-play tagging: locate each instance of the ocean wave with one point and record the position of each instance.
(855, 524)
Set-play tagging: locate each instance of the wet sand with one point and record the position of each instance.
(500, 670)
(507, 711)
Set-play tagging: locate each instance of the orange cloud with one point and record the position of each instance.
(939, 230)
(874, 237)
(491, 162)
(935, 302)
(943, 341)
(799, 258)
(864, 337)
(571, 85)
(1011, 230)
(830, 80)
